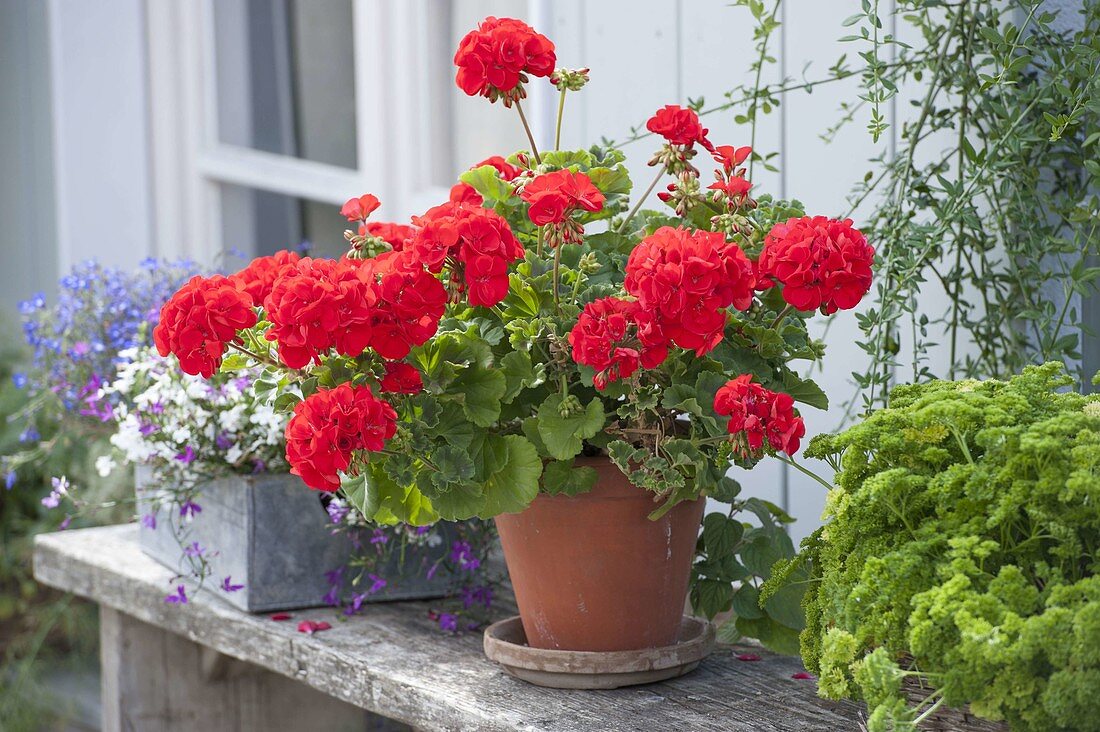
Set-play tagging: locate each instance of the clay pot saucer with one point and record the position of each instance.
(506, 644)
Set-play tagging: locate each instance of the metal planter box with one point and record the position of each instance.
(272, 535)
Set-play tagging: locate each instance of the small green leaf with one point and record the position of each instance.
(514, 482)
(518, 374)
(482, 392)
(564, 436)
(720, 534)
(710, 597)
(561, 478)
(746, 602)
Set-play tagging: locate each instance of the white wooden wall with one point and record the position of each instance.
(137, 167)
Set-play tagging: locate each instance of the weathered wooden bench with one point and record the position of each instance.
(206, 666)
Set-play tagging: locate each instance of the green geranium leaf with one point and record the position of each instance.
(513, 475)
(804, 390)
(482, 392)
(488, 183)
(453, 466)
(764, 549)
(564, 436)
(518, 374)
(354, 488)
(561, 478)
(460, 501)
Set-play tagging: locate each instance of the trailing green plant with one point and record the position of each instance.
(959, 555)
(988, 189)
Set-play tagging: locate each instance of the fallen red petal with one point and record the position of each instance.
(748, 657)
(281, 616)
(311, 626)
(803, 675)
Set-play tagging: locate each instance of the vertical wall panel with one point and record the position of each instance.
(821, 175)
(101, 134)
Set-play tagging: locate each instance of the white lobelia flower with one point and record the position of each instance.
(105, 465)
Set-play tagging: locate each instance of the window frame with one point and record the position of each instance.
(189, 162)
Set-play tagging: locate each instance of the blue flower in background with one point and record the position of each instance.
(99, 311)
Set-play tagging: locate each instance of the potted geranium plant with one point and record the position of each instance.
(539, 351)
(954, 585)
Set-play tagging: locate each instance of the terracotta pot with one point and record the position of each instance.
(593, 573)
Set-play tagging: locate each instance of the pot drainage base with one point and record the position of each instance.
(506, 643)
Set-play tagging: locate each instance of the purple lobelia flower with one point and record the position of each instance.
(448, 622)
(223, 441)
(149, 521)
(462, 555)
(189, 509)
(228, 586)
(187, 456)
(377, 584)
(193, 550)
(179, 597)
(9, 479)
(337, 512)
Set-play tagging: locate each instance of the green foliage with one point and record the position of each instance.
(960, 548)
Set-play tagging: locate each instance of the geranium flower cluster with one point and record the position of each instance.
(760, 414)
(477, 240)
(822, 263)
(687, 278)
(329, 426)
(554, 197)
(682, 281)
(496, 59)
(200, 321)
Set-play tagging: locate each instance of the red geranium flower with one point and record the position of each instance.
(357, 209)
(409, 306)
(506, 170)
(329, 426)
(477, 239)
(685, 280)
(615, 337)
(318, 305)
(821, 263)
(401, 378)
(679, 126)
(730, 157)
(733, 188)
(760, 414)
(495, 59)
(465, 193)
(200, 319)
(393, 234)
(259, 276)
(554, 196)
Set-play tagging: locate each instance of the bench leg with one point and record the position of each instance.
(155, 681)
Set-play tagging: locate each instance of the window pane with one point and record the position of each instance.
(285, 77)
(261, 222)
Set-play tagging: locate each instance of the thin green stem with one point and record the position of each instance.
(530, 135)
(557, 274)
(557, 127)
(640, 201)
(804, 471)
(761, 59)
(782, 314)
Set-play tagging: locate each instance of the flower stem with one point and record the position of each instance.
(557, 273)
(256, 356)
(641, 200)
(782, 314)
(557, 127)
(804, 471)
(530, 135)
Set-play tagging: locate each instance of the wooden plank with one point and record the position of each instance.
(393, 661)
(156, 681)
